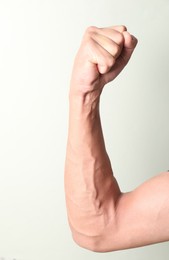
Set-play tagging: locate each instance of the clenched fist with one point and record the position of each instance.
(103, 54)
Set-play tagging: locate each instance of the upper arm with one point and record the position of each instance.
(141, 218)
(143, 214)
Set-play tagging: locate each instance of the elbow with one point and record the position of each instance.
(94, 230)
(89, 233)
(96, 243)
(92, 233)
(90, 243)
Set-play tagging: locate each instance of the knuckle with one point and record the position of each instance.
(110, 61)
(130, 38)
(123, 28)
(120, 38)
(116, 50)
(91, 29)
(90, 32)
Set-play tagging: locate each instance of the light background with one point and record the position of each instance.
(38, 42)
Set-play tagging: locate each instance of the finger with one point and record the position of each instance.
(102, 58)
(130, 40)
(114, 35)
(119, 28)
(109, 45)
(130, 43)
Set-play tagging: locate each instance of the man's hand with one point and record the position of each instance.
(103, 54)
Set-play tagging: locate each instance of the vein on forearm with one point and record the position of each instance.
(88, 173)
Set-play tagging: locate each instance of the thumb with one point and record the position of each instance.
(130, 43)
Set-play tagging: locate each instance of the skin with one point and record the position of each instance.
(102, 218)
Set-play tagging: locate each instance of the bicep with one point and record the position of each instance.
(142, 216)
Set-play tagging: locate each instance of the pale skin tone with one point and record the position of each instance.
(102, 218)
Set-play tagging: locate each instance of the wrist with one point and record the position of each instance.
(84, 98)
(86, 94)
(86, 101)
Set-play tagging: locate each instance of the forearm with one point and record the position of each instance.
(89, 181)
(101, 217)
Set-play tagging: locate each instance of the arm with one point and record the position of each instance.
(101, 217)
